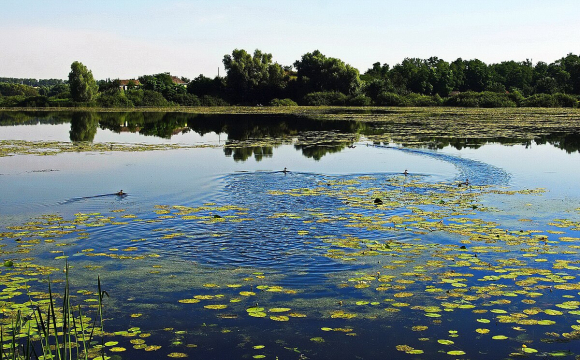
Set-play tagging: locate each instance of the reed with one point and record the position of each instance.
(54, 331)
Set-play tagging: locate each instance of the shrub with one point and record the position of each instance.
(208, 100)
(56, 102)
(540, 100)
(496, 87)
(186, 99)
(9, 89)
(390, 99)
(153, 98)
(325, 98)
(283, 102)
(135, 96)
(359, 100)
(516, 96)
(83, 104)
(485, 99)
(60, 91)
(146, 98)
(11, 101)
(420, 100)
(114, 99)
(566, 100)
(35, 101)
(488, 99)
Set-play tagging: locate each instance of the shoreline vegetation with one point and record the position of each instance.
(315, 80)
(311, 110)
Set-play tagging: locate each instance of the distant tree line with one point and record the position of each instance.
(316, 79)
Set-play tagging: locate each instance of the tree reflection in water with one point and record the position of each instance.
(83, 126)
(257, 135)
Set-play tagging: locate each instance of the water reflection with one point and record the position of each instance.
(257, 135)
(83, 126)
(568, 142)
(243, 131)
(244, 153)
(13, 118)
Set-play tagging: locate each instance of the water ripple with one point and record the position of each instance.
(478, 173)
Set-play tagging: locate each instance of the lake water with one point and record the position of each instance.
(215, 252)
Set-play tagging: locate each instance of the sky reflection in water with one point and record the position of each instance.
(278, 248)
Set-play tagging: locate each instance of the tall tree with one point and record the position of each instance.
(316, 72)
(570, 65)
(513, 75)
(202, 86)
(253, 78)
(441, 76)
(83, 86)
(413, 74)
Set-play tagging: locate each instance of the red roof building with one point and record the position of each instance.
(124, 84)
(178, 81)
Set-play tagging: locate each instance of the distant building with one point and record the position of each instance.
(178, 81)
(124, 84)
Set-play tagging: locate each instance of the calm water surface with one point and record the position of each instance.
(196, 220)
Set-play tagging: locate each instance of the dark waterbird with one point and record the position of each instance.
(120, 194)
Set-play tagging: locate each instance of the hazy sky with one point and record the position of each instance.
(129, 38)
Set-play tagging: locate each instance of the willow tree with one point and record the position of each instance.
(83, 86)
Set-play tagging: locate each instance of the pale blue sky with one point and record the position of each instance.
(129, 38)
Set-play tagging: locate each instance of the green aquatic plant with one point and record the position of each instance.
(47, 329)
(433, 262)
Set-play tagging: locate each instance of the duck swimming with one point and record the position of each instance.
(120, 193)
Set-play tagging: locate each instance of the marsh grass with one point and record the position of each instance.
(50, 331)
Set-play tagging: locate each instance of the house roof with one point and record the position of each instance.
(126, 82)
(178, 81)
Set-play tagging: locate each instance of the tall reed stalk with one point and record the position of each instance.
(53, 333)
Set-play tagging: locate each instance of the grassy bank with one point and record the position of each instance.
(309, 110)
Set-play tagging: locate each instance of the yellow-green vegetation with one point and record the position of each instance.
(408, 126)
(21, 147)
(41, 325)
(427, 256)
(371, 113)
(498, 273)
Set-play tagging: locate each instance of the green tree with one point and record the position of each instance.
(477, 75)
(83, 86)
(441, 76)
(318, 73)
(378, 71)
(413, 74)
(253, 78)
(513, 74)
(457, 67)
(10, 89)
(202, 86)
(566, 72)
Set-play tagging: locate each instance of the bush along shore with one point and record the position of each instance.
(315, 80)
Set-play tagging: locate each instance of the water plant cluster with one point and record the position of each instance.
(314, 131)
(433, 265)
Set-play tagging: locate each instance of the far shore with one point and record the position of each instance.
(305, 110)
